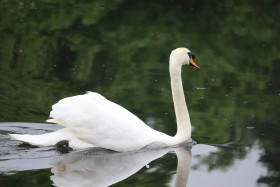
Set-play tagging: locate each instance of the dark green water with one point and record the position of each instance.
(120, 49)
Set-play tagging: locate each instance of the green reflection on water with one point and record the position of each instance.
(28, 178)
(120, 49)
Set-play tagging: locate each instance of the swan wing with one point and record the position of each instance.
(94, 119)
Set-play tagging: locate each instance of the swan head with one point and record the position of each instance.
(183, 56)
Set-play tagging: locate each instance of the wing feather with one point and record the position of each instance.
(96, 120)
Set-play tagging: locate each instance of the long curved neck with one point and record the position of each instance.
(181, 110)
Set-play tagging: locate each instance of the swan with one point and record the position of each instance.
(90, 120)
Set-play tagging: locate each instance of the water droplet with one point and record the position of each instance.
(201, 88)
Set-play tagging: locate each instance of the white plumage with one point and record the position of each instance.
(91, 120)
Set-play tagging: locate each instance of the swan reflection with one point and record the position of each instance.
(104, 168)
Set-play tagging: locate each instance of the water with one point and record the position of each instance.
(120, 49)
(99, 167)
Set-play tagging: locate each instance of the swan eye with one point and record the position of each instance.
(191, 55)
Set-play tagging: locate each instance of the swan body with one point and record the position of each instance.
(90, 120)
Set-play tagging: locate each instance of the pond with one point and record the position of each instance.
(120, 49)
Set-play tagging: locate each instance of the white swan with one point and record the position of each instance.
(91, 120)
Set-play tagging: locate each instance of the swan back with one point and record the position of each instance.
(96, 120)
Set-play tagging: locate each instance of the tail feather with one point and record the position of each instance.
(24, 138)
(50, 139)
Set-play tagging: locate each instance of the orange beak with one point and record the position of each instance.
(193, 64)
